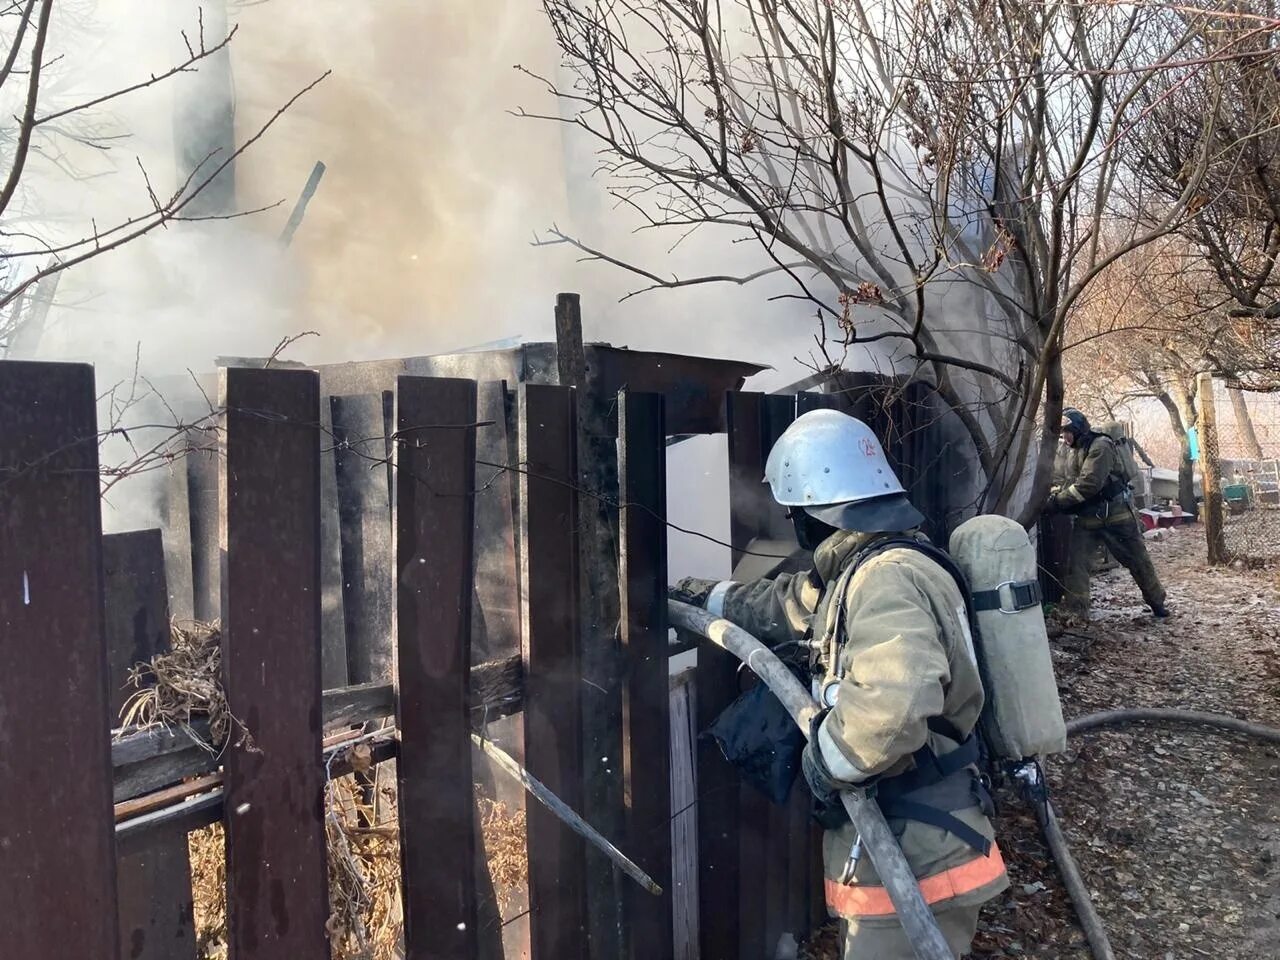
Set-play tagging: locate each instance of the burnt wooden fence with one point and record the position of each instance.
(93, 826)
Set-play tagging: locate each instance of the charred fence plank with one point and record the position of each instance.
(58, 880)
(137, 607)
(435, 501)
(277, 900)
(646, 691)
(552, 662)
(363, 485)
(762, 827)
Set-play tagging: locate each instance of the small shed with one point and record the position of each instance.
(356, 484)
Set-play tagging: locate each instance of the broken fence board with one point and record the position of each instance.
(435, 480)
(277, 901)
(153, 880)
(146, 760)
(495, 612)
(137, 607)
(58, 880)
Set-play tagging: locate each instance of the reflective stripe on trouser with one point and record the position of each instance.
(867, 900)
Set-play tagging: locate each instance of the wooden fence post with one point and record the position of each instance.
(435, 482)
(601, 660)
(646, 692)
(764, 827)
(1210, 472)
(58, 879)
(552, 665)
(154, 875)
(277, 898)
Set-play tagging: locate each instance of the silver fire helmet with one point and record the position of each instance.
(833, 466)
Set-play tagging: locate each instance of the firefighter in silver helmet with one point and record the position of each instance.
(905, 695)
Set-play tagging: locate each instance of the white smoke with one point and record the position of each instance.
(419, 239)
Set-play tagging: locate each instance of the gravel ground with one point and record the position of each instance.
(1176, 830)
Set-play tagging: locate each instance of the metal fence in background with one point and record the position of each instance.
(1240, 440)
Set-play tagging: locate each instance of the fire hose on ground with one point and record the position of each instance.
(895, 873)
(1092, 924)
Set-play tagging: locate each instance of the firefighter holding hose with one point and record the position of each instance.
(886, 617)
(1093, 486)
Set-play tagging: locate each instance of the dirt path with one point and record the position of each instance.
(1177, 830)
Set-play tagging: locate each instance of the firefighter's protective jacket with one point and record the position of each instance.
(1093, 474)
(1094, 480)
(907, 659)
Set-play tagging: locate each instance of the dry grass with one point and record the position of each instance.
(207, 849)
(824, 944)
(365, 922)
(505, 847)
(182, 686)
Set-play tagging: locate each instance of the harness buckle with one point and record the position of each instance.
(1016, 596)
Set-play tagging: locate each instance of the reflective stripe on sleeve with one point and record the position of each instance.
(841, 767)
(867, 900)
(716, 598)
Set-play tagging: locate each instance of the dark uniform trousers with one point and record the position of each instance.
(1117, 526)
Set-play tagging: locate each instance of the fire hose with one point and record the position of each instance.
(1092, 924)
(899, 881)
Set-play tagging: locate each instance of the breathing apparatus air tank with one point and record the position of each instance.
(1023, 716)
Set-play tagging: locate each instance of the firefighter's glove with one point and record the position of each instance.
(693, 591)
(824, 786)
(1053, 504)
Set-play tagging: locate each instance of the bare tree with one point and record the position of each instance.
(934, 178)
(1145, 334)
(30, 259)
(1233, 222)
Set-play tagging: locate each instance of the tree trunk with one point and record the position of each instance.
(1184, 395)
(1244, 421)
(1214, 518)
(1187, 479)
(1051, 416)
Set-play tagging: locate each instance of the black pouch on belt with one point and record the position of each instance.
(757, 735)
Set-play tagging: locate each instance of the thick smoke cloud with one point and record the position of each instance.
(419, 239)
